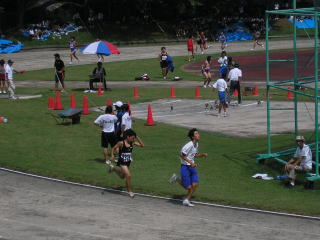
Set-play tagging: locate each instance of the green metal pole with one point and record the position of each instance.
(316, 59)
(268, 87)
(295, 72)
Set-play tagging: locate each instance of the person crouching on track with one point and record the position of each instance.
(125, 148)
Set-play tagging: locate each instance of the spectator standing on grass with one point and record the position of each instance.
(222, 87)
(189, 176)
(205, 69)
(126, 122)
(124, 149)
(190, 48)
(59, 72)
(2, 77)
(164, 64)
(301, 161)
(118, 106)
(235, 76)
(223, 61)
(9, 78)
(108, 137)
(73, 49)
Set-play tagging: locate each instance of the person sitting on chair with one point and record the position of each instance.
(98, 75)
(301, 161)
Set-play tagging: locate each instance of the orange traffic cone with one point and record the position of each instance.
(100, 91)
(109, 103)
(289, 96)
(135, 92)
(150, 121)
(197, 92)
(255, 91)
(72, 101)
(172, 93)
(85, 107)
(236, 94)
(58, 105)
(50, 102)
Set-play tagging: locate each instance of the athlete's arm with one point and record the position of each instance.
(114, 149)
(202, 155)
(184, 157)
(139, 143)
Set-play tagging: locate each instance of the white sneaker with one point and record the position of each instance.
(164, 77)
(251, 49)
(173, 179)
(204, 86)
(4, 91)
(13, 97)
(111, 167)
(131, 194)
(225, 114)
(201, 52)
(0, 91)
(186, 202)
(70, 62)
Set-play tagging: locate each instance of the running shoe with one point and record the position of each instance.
(4, 91)
(173, 179)
(131, 194)
(186, 202)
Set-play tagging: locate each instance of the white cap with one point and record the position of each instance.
(118, 104)
(144, 75)
(300, 138)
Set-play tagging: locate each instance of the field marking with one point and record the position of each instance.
(165, 198)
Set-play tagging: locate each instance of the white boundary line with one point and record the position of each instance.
(165, 198)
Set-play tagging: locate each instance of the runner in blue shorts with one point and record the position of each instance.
(189, 176)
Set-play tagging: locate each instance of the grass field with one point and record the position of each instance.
(32, 141)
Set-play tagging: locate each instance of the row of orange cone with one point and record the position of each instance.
(55, 103)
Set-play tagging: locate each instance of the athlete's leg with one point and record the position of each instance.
(127, 175)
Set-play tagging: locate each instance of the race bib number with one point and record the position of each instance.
(126, 157)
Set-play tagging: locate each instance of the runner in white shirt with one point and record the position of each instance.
(222, 87)
(107, 121)
(189, 176)
(301, 161)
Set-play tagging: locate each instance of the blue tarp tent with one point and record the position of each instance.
(7, 46)
(303, 23)
(236, 32)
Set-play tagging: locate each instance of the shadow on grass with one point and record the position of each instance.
(99, 160)
(176, 199)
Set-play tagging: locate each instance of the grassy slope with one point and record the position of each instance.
(32, 142)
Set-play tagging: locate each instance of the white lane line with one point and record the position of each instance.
(165, 198)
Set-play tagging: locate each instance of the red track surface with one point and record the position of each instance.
(253, 66)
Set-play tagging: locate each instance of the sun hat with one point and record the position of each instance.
(118, 104)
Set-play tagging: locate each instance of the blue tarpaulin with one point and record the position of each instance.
(303, 23)
(236, 32)
(7, 46)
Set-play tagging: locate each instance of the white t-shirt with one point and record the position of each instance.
(307, 154)
(189, 150)
(223, 61)
(234, 74)
(127, 121)
(9, 71)
(107, 121)
(221, 85)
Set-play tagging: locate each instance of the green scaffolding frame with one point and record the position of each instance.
(296, 83)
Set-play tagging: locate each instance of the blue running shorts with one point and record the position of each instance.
(222, 96)
(189, 175)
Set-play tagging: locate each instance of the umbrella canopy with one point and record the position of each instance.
(100, 47)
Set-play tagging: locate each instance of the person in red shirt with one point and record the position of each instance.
(190, 48)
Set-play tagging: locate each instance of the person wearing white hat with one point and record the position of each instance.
(9, 78)
(118, 106)
(301, 161)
